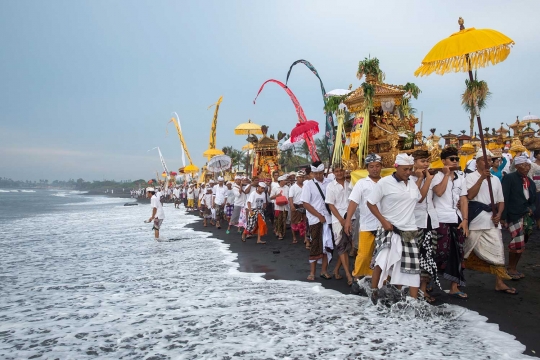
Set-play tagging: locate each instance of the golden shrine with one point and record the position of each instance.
(265, 155)
(383, 120)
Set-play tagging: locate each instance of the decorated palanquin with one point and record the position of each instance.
(266, 158)
(385, 114)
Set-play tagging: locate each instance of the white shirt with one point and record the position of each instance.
(251, 191)
(206, 200)
(425, 208)
(446, 205)
(295, 192)
(155, 203)
(230, 197)
(359, 194)
(256, 200)
(273, 185)
(312, 196)
(191, 193)
(239, 196)
(278, 190)
(396, 201)
(220, 193)
(508, 157)
(483, 220)
(338, 195)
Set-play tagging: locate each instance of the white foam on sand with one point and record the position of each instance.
(97, 284)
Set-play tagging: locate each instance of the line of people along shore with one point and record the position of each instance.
(406, 229)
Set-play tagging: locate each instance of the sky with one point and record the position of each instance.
(88, 87)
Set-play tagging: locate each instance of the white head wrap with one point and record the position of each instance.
(318, 168)
(150, 189)
(282, 178)
(220, 178)
(404, 159)
(480, 154)
(300, 173)
(521, 159)
(238, 177)
(372, 158)
(263, 185)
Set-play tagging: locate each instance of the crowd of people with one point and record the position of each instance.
(406, 229)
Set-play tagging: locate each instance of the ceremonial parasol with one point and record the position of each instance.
(530, 117)
(191, 169)
(219, 163)
(304, 129)
(464, 51)
(212, 152)
(287, 144)
(248, 146)
(338, 92)
(248, 129)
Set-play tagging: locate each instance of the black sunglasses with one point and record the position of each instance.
(453, 158)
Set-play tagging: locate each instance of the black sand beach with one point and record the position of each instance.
(518, 315)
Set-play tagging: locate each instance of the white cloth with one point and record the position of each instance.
(522, 159)
(239, 195)
(318, 168)
(471, 165)
(295, 192)
(312, 196)
(446, 205)
(280, 191)
(483, 220)
(359, 194)
(389, 260)
(272, 186)
(230, 197)
(256, 200)
(252, 189)
(220, 193)
(480, 153)
(486, 244)
(396, 201)
(338, 195)
(425, 208)
(191, 193)
(156, 203)
(508, 157)
(404, 159)
(206, 200)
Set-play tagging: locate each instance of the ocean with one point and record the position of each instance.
(81, 277)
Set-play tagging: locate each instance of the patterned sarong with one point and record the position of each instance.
(519, 231)
(281, 222)
(229, 210)
(256, 223)
(449, 254)
(316, 250)
(410, 255)
(298, 220)
(427, 243)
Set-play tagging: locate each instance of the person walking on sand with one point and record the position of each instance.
(229, 203)
(206, 206)
(451, 205)
(318, 215)
(368, 222)
(256, 223)
(337, 198)
(191, 198)
(298, 213)
(392, 202)
(239, 199)
(280, 210)
(483, 248)
(220, 195)
(158, 215)
(520, 203)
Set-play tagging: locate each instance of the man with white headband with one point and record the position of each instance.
(392, 202)
(298, 213)
(238, 202)
(483, 248)
(313, 198)
(520, 203)
(280, 192)
(450, 201)
(368, 222)
(256, 222)
(157, 211)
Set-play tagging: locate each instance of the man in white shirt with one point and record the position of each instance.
(313, 197)
(508, 157)
(280, 210)
(368, 222)
(157, 211)
(450, 201)
(337, 198)
(218, 200)
(256, 223)
(239, 201)
(392, 202)
(190, 197)
(298, 213)
(176, 196)
(484, 249)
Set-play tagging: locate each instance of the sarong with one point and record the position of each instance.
(484, 251)
(519, 231)
(219, 211)
(321, 242)
(207, 212)
(281, 222)
(426, 245)
(229, 210)
(269, 211)
(190, 203)
(449, 254)
(298, 220)
(397, 255)
(256, 223)
(157, 224)
(343, 242)
(242, 220)
(366, 246)
(235, 215)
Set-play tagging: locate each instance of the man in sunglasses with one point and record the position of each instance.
(449, 189)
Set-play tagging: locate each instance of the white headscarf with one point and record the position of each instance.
(404, 159)
(480, 154)
(318, 168)
(282, 178)
(521, 159)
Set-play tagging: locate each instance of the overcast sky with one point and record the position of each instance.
(87, 87)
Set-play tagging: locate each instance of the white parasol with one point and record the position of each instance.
(338, 92)
(219, 163)
(530, 117)
(287, 144)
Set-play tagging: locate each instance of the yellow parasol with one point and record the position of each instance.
(464, 51)
(248, 129)
(212, 152)
(248, 146)
(191, 169)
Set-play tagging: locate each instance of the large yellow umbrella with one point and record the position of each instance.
(248, 146)
(464, 51)
(191, 169)
(248, 129)
(212, 152)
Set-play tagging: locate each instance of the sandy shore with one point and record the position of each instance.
(518, 315)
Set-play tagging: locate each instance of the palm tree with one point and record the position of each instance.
(476, 93)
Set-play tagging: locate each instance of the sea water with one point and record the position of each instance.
(82, 277)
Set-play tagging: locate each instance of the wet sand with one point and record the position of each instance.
(518, 315)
